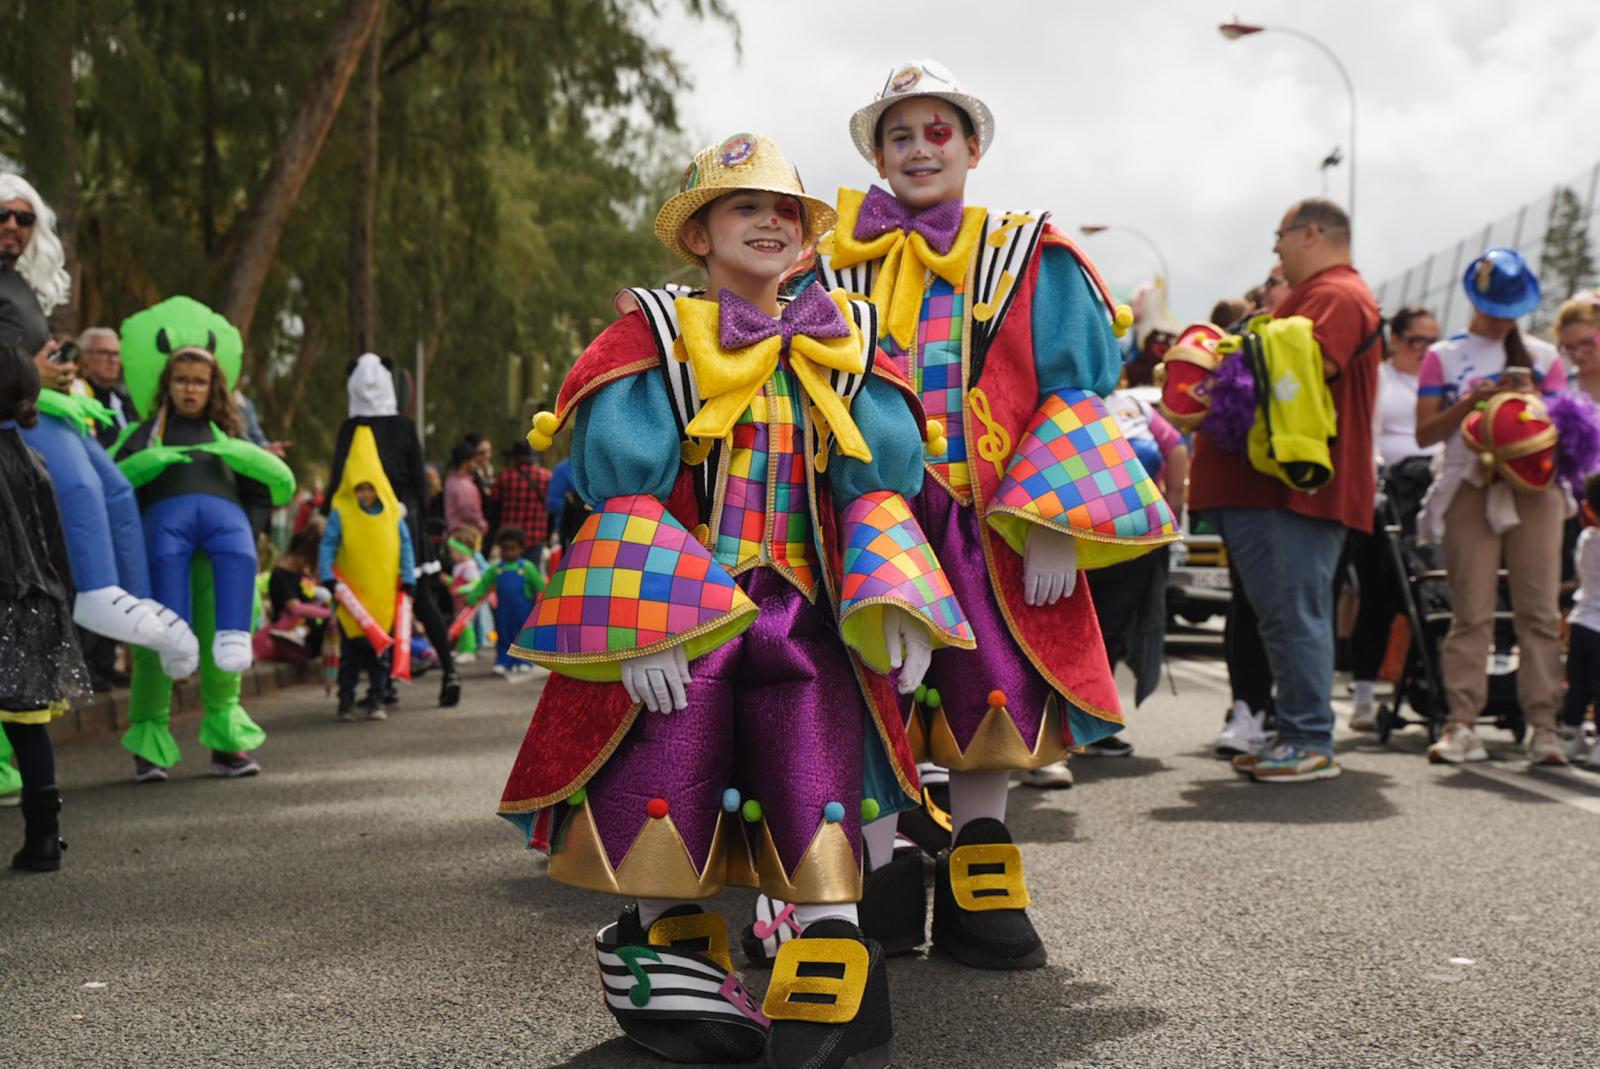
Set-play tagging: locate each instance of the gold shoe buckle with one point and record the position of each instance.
(988, 876)
(819, 995)
(696, 933)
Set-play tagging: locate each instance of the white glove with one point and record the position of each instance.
(321, 595)
(113, 612)
(909, 648)
(657, 679)
(1049, 567)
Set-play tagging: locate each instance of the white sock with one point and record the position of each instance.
(974, 795)
(651, 909)
(879, 839)
(1361, 690)
(807, 914)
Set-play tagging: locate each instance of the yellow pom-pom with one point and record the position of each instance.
(546, 422)
(1525, 416)
(935, 429)
(539, 442)
(938, 447)
(1121, 320)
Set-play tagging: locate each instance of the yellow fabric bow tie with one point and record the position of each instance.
(729, 381)
(898, 289)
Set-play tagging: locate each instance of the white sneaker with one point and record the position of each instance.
(1574, 742)
(519, 673)
(1547, 747)
(1457, 745)
(113, 612)
(1245, 732)
(500, 670)
(1364, 717)
(1593, 760)
(1056, 777)
(232, 652)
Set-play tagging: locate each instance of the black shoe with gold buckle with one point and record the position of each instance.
(673, 990)
(829, 1001)
(980, 901)
(893, 910)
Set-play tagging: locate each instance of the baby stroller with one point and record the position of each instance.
(1425, 595)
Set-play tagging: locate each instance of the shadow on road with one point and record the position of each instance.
(1353, 798)
(1096, 769)
(983, 1019)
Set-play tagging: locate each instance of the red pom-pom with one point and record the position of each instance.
(997, 699)
(656, 807)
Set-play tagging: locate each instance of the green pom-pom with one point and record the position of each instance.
(921, 694)
(751, 810)
(1482, 406)
(577, 797)
(869, 809)
(933, 701)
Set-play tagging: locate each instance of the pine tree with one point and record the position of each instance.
(1568, 264)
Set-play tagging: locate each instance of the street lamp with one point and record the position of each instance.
(1236, 29)
(1090, 231)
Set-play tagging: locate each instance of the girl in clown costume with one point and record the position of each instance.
(204, 495)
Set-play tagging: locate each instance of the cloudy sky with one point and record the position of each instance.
(1141, 114)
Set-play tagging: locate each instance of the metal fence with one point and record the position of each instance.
(1435, 283)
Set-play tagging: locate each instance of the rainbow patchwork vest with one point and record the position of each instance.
(753, 489)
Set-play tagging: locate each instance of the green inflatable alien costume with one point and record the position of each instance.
(203, 495)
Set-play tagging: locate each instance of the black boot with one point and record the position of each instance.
(450, 688)
(41, 841)
(673, 991)
(829, 1001)
(894, 904)
(980, 901)
(929, 824)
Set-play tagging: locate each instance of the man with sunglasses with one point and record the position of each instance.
(1285, 543)
(33, 276)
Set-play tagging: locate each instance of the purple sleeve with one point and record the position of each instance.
(1555, 378)
(1430, 378)
(1166, 435)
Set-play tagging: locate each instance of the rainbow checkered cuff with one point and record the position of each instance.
(1076, 472)
(632, 582)
(887, 561)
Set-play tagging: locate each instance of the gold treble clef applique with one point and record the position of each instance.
(995, 444)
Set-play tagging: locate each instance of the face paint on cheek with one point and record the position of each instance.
(938, 132)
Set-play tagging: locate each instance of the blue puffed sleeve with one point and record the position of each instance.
(408, 555)
(1073, 344)
(625, 441)
(891, 432)
(127, 528)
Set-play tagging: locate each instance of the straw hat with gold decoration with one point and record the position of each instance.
(743, 161)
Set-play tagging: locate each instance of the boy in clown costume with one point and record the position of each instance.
(1009, 337)
(366, 546)
(750, 463)
(204, 495)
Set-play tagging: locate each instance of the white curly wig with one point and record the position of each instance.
(43, 264)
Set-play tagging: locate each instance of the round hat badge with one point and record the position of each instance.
(738, 149)
(904, 79)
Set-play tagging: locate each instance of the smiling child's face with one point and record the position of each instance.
(753, 233)
(922, 152)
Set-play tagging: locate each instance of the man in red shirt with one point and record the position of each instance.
(520, 490)
(1284, 543)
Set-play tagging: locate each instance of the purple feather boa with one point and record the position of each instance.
(1577, 423)
(1233, 404)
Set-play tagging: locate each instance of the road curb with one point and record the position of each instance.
(105, 713)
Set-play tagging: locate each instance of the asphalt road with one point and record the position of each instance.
(360, 904)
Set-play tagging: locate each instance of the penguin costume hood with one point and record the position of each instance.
(371, 387)
(374, 403)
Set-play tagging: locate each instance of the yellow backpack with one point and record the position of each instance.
(1296, 421)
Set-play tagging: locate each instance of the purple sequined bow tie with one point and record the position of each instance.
(812, 313)
(882, 212)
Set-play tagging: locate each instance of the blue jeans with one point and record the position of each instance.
(1286, 562)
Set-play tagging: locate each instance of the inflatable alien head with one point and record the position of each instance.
(150, 337)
